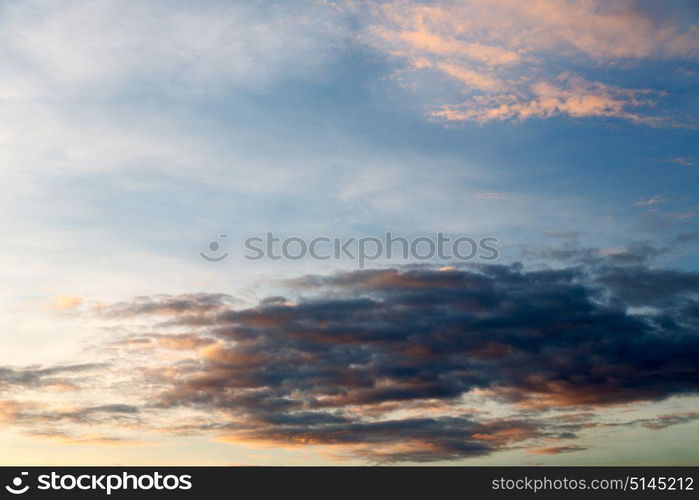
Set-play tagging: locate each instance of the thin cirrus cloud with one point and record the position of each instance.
(653, 200)
(179, 47)
(520, 60)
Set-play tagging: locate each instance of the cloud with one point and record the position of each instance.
(65, 302)
(376, 364)
(183, 48)
(166, 305)
(639, 286)
(657, 220)
(636, 253)
(556, 450)
(569, 95)
(33, 413)
(92, 439)
(663, 421)
(48, 420)
(58, 403)
(89, 413)
(658, 422)
(506, 55)
(491, 196)
(416, 364)
(647, 202)
(67, 376)
(563, 234)
(415, 440)
(685, 162)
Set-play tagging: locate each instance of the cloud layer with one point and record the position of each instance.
(380, 364)
(516, 60)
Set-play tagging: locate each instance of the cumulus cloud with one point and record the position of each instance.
(506, 55)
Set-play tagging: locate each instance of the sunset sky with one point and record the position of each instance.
(134, 133)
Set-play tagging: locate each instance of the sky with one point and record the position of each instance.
(134, 134)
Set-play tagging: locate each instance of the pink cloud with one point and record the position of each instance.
(502, 54)
(568, 95)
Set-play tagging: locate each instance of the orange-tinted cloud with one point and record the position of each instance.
(374, 362)
(506, 55)
(64, 302)
(568, 94)
(386, 364)
(556, 450)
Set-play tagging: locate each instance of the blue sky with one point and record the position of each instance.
(134, 133)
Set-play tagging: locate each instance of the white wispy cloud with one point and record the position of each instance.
(682, 161)
(653, 200)
(491, 196)
(61, 48)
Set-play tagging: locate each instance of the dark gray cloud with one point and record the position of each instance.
(663, 421)
(168, 305)
(330, 367)
(95, 414)
(421, 439)
(31, 416)
(640, 286)
(572, 253)
(32, 377)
